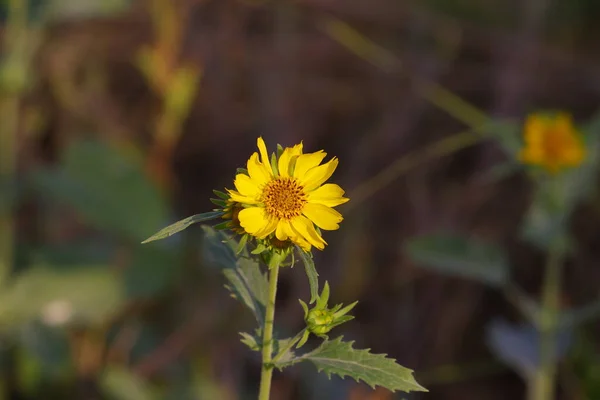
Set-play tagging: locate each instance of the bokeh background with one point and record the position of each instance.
(119, 117)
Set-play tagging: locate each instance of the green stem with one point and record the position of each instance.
(267, 339)
(541, 385)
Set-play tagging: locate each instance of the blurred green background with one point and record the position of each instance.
(119, 117)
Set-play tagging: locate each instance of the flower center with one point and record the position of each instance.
(284, 198)
(556, 144)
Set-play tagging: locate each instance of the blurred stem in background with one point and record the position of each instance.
(17, 47)
(434, 93)
(12, 76)
(173, 81)
(541, 385)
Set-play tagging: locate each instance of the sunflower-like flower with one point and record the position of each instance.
(286, 196)
(552, 142)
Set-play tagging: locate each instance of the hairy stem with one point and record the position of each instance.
(267, 339)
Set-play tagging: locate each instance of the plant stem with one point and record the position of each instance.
(541, 385)
(267, 339)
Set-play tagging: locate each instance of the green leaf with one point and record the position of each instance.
(311, 273)
(87, 295)
(460, 256)
(250, 341)
(121, 384)
(338, 357)
(183, 224)
(108, 188)
(247, 282)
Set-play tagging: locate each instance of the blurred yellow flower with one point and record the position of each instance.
(288, 196)
(552, 142)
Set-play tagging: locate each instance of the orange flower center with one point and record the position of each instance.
(556, 144)
(284, 198)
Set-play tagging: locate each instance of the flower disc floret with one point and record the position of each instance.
(286, 196)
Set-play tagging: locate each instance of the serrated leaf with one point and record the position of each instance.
(246, 281)
(311, 274)
(183, 224)
(339, 358)
(250, 341)
(460, 256)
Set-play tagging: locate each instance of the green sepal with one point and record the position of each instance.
(324, 297)
(219, 202)
(279, 150)
(222, 195)
(304, 339)
(304, 307)
(241, 245)
(260, 248)
(274, 164)
(242, 171)
(343, 311)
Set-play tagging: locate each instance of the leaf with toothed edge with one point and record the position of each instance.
(338, 357)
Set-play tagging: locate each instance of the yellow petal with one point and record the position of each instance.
(253, 219)
(316, 176)
(297, 149)
(329, 194)
(268, 228)
(564, 122)
(284, 162)
(535, 126)
(237, 197)
(324, 217)
(262, 147)
(302, 243)
(305, 228)
(308, 161)
(283, 231)
(258, 173)
(246, 186)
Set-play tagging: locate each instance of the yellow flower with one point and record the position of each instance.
(289, 197)
(552, 142)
